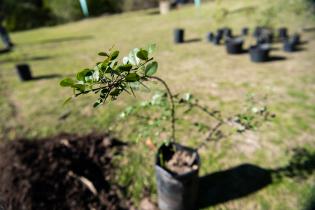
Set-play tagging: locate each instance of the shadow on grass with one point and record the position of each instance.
(245, 179)
(44, 77)
(233, 183)
(17, 60)
(67, 39)
(276, 58)
(5, 50)
(192, 40)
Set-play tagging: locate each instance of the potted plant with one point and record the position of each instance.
(177, 166)
(165, 7)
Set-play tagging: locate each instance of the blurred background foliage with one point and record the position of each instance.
(27, 14)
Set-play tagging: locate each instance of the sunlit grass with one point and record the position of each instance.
(33, 109)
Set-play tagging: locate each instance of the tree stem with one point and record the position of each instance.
(171, 96)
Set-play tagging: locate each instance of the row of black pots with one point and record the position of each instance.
(263, 35)
(282, 32)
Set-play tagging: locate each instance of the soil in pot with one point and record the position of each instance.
(177, 170)
(24, 72)
(234, 46)
(259, 53)
(179, 35)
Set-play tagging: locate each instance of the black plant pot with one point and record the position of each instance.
(210, 37)
(217, 40)
(176, 192)
(234, 46)
(244, 31)
(24, 72)
(257, 31)
(220, 33)
(283, 33)
(227, 32)
(296, 39)
(289, 45)
(265, 39)
(259, 53)
(179, 35)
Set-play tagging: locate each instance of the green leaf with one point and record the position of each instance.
(126, 67)
(115, 92)
(103, 54)
(151, 48)
(151, 68)
(79, 87)
(133, 59)
(81, 75)
(67, 82)
(96, 104)
(114, 55)
(132, 77)
(143, 54)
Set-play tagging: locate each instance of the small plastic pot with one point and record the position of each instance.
(234, 46)
(259, 53)
(220, 33)
(210, 37)
(179, 35)
(227, 32)
(283, 33)
(296, 39)
(176, 192)
(265, 39)
(24, 72)
(217, 40)
(289, 45)
(244, 31)
(257, 31)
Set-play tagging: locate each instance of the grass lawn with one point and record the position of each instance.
(33, 109)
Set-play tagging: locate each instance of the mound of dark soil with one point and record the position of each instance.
(65, 172)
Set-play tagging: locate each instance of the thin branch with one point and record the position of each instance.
(210, 134)
(171, 96)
